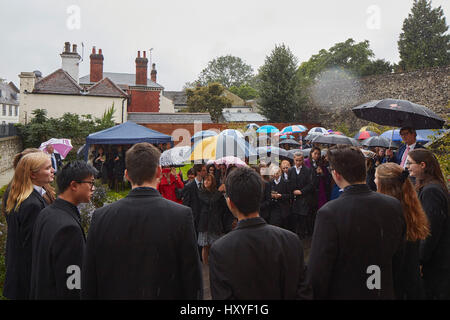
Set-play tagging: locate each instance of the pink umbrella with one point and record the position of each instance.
(61, 146)
(229, 160)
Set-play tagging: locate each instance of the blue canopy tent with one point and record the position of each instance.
(126, 133)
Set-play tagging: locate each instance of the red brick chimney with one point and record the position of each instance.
(141, 69)
(96, 65)
(153, 73)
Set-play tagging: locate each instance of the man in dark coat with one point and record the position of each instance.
(409, 137)
(191, 190)
(357, 244)
(58, 237)
(55, 158)
(142, 246)
(255, 261)
(301, 188)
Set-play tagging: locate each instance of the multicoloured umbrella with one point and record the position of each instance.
(268, 129)
(61, 146)
(213, 148)
(294, 129)
(287, 136)
(203, 134)
(252, 126)
(362, 135)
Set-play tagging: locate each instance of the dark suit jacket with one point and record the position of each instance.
(191, 199)
(58, 161)
(18, 247)
(399, 155)
(280, 207)
(359, 229)
(435, 250)
(257, 261)
(58, 242)
(304, 183)
(142, 247)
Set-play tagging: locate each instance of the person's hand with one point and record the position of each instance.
(278, 196)
(319, 170)
(222, 187)
(421, 273)
(297, 192)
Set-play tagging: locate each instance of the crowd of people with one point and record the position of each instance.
(386, 236)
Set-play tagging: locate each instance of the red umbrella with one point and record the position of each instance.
(365, 135)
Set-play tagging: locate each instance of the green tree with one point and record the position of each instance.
(208, 99)
(424, 42)
(279, 95)
(348, 59)
(227, 70)
(245, 91)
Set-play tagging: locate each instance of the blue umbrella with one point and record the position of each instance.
(268, 129)
(294, 129)
(397, 138)
(232, 133)
(199, 135)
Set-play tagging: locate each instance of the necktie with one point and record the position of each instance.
(54, 163)
(405, 154)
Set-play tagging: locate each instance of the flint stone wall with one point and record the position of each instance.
(9, 147)
(334, 99)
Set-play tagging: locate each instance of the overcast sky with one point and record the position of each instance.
(186, 34)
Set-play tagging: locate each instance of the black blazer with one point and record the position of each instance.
(281, 206)
(304, 183)
(435, 250)
(191, 199)
(142, 247)
(257, 261)
(359, 229)
(212, 211)
(58, 243)
(18, 247)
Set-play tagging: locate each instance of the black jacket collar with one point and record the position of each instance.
(251, 222)
(143, 191)
(69, 208)
(356, 189)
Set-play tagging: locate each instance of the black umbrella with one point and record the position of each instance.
(399, 113)
(291, 142)
(333, 139)
(379, 142)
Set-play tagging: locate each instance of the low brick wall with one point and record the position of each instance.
(9, 146)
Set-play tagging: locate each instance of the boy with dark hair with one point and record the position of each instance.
(255, 261)
(358, 238)
(58, 236)
(142, 246)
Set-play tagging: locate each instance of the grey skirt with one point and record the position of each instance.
(207, 238)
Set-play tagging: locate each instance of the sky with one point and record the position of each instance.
(184, 35)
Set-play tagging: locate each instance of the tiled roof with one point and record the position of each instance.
(121, 79)
(178, 98)
(179, 117)
(59, 82)
(106, 87)
(243, 117)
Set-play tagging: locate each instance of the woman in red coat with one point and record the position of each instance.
(170, 182)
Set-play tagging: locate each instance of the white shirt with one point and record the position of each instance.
(285, 176)
(298, 169)
(40, 190)
(411, 147)
(199, 183)
(277, 181)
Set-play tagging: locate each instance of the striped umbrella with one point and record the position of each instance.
(220, 146)
(294, 129)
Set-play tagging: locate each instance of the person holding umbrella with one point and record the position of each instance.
(54, 157)
(408, 135)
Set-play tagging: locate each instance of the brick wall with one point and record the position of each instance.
(144, 101)
(9, 146)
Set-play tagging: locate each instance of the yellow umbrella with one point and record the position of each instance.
(205, 149)
(370, 128)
